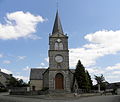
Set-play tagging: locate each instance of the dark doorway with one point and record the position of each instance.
(33, 88)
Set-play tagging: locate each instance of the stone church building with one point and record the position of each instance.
(58, 76)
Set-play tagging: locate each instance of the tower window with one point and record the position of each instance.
(61, 46)
(58, 45)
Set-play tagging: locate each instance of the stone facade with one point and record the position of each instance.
(37, 84)
(58, 76)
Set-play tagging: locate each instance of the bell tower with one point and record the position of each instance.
(59, 73)
(58, 47)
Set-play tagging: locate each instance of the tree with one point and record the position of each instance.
(80, 76)
(13, 82)
(90, 84)
(100, 81)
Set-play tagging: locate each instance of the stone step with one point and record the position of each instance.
(58, 91)
(61, 95)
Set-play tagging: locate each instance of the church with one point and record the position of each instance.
(58, 76)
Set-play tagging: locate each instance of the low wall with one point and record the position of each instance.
(25, 91)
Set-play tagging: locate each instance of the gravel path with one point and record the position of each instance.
(7, 98)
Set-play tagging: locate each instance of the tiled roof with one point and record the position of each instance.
(37, 74)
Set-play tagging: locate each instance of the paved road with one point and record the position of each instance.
(4, 98)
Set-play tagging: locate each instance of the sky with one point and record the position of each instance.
(93, 27)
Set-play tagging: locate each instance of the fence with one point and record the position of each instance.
(82, 91)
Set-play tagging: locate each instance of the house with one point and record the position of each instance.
(4, 78)
(114, 87)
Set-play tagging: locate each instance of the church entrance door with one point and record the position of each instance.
(59, 81)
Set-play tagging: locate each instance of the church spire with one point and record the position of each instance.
(57, 25)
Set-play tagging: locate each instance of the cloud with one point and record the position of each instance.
(101, 43)
(95, 71)
(20, 25)
(116, 67)
(21, 57)
(47, 59)
(6, 71)
(6, 62)
(27, 68)
(111, 73)
(116, 72)
(86, 56)
(25, 78)
(1, 55)
(42, 64)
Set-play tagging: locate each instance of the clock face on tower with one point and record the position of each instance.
(59, 59)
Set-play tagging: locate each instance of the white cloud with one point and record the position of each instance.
(20, 25)
(111, 73)
(26, 79)
(112, 77)
(42, 64)
(6, 71)
(96, 71)
(47, 59)
(116, 67)
(87, 57)
(27, 68)
(101, 43)
(6, 62)
(116, 72)
(21, 57)
(1, 55)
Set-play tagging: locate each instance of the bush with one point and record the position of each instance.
(3, 90)
(45, 88)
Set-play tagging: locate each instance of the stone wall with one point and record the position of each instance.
(118, 91)
(37, 83)
(46, 79)
(65, 73)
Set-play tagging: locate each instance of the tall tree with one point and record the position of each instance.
(80, 76)
(90, 84)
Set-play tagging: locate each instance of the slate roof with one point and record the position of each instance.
(113, 85)
(7, 76)
(37, 74)
(57, 25)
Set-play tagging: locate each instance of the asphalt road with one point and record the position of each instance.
(6, 98)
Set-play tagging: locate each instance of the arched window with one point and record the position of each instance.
(56, 46)
(60, 46)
